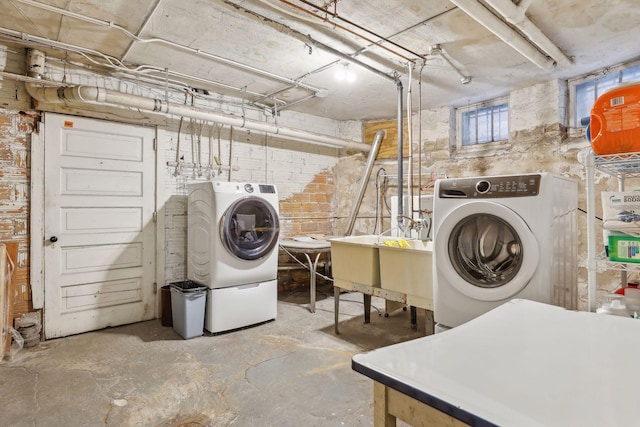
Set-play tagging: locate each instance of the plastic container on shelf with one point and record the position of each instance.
(632, 301)
(614, 124)
(613, 304)
(188, 304)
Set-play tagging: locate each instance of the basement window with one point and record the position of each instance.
(483, 123)
(586, 90)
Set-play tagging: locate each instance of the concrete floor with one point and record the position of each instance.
(293, 371)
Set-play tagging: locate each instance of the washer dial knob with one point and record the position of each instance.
(483, 186)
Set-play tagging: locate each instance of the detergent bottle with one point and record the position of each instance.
(614, 124)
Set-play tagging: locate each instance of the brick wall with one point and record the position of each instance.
(15, 130)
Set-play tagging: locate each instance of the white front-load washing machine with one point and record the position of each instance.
(503, 237)
(232, 248)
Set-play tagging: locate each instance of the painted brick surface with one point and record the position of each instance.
(15, 129)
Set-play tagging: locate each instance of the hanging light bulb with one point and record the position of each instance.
(344, 73)
(351, 76)
(341, 74)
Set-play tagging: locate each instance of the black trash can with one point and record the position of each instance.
(165, 301)
(188, 303)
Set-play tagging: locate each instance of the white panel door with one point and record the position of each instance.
(99, 229)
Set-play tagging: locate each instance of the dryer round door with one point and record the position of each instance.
(486, 251)
(249, 228)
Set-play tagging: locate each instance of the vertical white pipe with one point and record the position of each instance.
(410, 141)
(400, 154)
(590, 166)
(420, 140)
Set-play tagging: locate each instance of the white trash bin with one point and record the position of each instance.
(188, 302)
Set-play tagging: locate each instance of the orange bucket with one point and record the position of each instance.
(615, 121)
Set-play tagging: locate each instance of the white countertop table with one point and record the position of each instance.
(521, 364)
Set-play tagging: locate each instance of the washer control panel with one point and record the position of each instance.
(493, 187)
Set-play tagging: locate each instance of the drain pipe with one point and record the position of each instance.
(375, 147)
(106, 97)
(410, 142)
(90, 95)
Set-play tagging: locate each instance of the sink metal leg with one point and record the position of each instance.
(430, 323)
(414, 318)
(312, 280)
(336, 307)
(367, 308)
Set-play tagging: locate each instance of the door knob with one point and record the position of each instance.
(53, 239)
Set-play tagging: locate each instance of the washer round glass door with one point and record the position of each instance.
(249, 228)
(486, 251)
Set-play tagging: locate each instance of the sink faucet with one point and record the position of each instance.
(413, 224)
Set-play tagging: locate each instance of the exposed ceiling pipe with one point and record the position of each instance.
(138, 71)
(305, 38)
(191, 50)
(516, 15)
(141, 29)
(90, 95)
(336, 25)
(369, 46)
(436, 50)
(505, 33)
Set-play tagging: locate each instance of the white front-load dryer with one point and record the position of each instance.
(232, 248)
(233, 231)
(503, 237)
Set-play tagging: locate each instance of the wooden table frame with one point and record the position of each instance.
(390, 404)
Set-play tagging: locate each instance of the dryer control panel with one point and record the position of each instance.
(492, 187)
